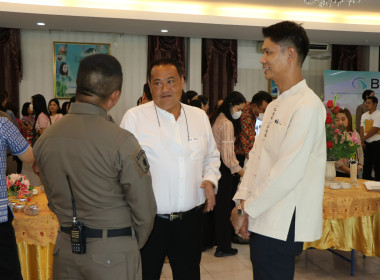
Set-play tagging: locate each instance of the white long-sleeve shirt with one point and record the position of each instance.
(181, 153)
(286, 167)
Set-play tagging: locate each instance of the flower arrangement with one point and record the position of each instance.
(340, 144)
(18, 185)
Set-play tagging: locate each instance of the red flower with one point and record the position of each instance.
(329, 119)
(335, 110)
(330, 104)
(330, 144)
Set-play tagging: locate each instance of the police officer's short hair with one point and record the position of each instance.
(100, 75)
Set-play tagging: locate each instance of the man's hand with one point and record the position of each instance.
(244, 229)
(240, 223)
(209, 190)
(237, 220)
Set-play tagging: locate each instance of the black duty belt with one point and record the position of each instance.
(178, 215)
(98, 233)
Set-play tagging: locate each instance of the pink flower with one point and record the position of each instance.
(354, 138)
(337, 131)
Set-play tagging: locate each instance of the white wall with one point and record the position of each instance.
(131, 51)
(250, 72)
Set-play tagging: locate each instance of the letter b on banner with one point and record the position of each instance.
(375, 83)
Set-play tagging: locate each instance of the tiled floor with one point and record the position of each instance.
(311, 264)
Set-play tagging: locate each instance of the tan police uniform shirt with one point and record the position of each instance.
(108, 171)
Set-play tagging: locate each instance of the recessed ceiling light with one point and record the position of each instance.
(41, 23)
(164, 30)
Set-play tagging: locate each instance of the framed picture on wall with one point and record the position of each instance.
(66, 62)
(272, 88)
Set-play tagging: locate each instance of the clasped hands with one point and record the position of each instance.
(240, 223)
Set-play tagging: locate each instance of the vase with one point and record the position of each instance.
(330, 172)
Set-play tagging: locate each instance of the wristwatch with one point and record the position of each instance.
(240, 211)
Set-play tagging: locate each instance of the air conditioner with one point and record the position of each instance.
(314, 47)
(318, 47)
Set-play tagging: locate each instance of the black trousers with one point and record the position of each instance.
(9, 262)
(274, 259)
(180, 241)
(222, 209)
(371, 160)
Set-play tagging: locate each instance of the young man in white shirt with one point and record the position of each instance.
(184, 163)
(281, 193)
(370, 136)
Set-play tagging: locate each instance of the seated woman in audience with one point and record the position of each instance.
(41, 114)
(54, 110)
(226, 127)
(343, 118)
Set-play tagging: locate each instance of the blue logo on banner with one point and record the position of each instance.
(358, 81)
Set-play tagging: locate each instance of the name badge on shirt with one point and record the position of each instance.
(194, 139)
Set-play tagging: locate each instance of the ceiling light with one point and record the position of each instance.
(41, 23)
(164, 30)
(328, 3)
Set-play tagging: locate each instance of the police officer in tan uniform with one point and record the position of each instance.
(109, 177)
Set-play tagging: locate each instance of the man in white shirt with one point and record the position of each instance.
(281, 193)
(370, 136)
(184, 164)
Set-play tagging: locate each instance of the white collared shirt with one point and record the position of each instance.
(286, 167)
(181, 153)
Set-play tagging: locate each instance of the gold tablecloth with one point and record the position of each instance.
(35, 237)
(351, 220)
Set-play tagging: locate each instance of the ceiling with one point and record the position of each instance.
(358, 24)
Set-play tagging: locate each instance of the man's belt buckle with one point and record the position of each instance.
(174, 216)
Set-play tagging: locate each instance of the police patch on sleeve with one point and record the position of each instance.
(142, 161)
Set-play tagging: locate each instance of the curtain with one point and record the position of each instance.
(347, 58)
(219, 68)
(10, 63)
(167, 47)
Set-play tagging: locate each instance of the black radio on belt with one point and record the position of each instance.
(78, 237)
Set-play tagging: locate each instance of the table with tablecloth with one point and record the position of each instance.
(351, 220)
(36, 237)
